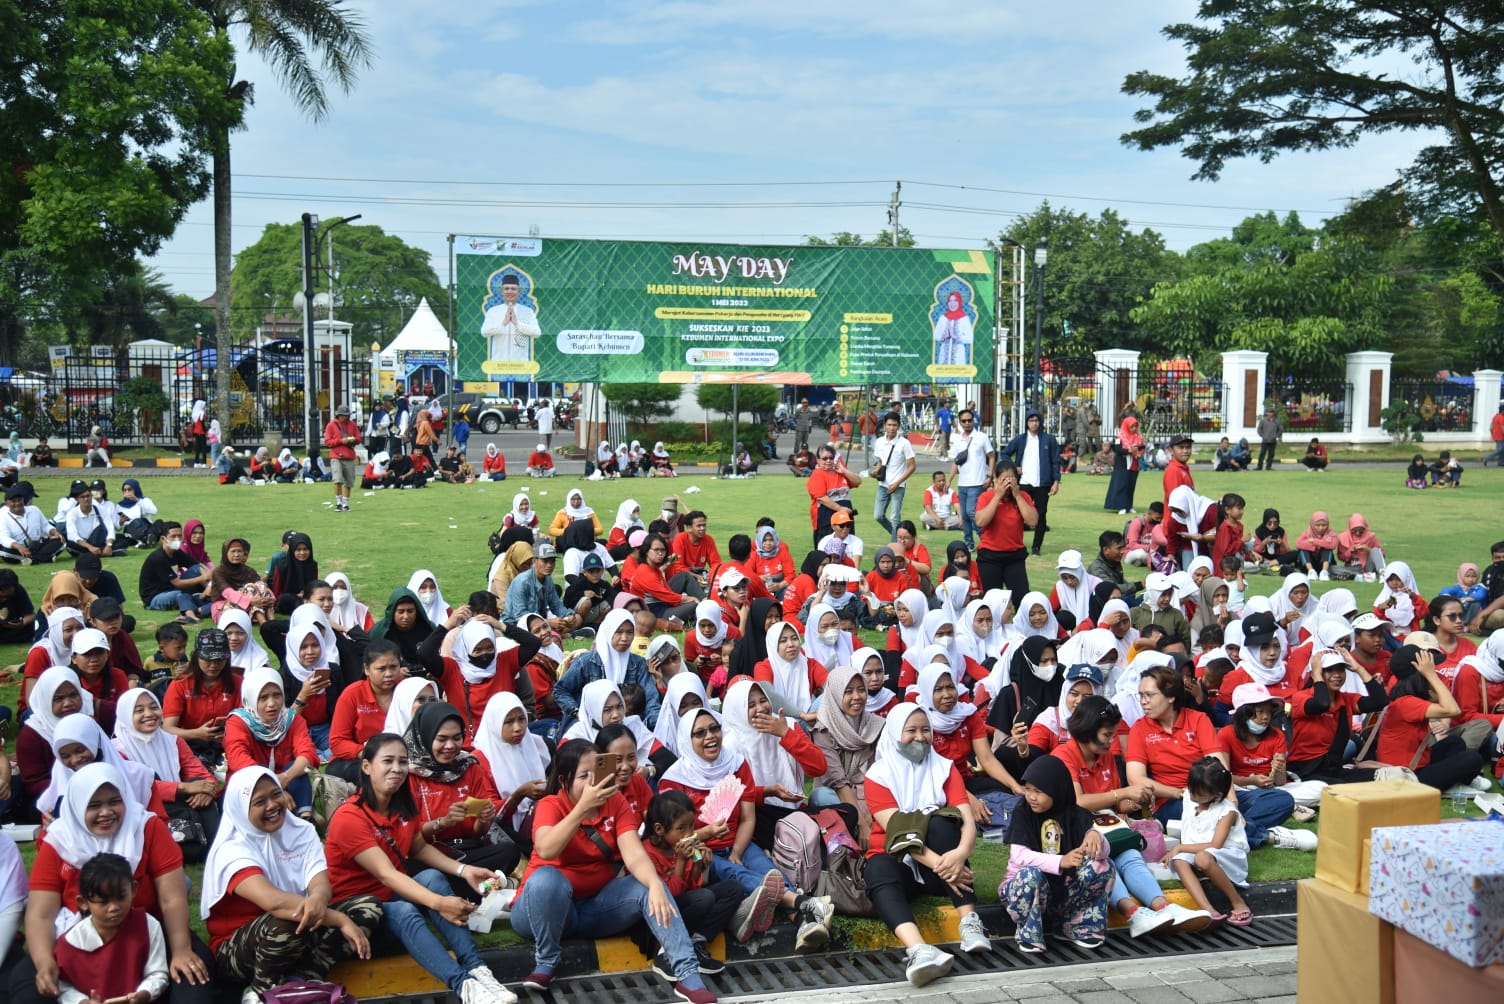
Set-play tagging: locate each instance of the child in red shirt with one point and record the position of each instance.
(1256, 750)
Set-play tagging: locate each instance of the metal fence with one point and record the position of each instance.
(1443, 405)
(1172, 401)
(1311, 404)
(143, 395)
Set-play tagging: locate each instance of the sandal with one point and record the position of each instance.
(1303, 814)
(1217, 918)
(1240, 918)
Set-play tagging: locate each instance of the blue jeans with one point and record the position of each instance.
(822, 797)
(755, 865)
(548, 912)
(320, 736)
(1131, 879)
(1261, 809)
(890, 508)
(301, 790)
(409, 923)
(968, 495)
(180, 599)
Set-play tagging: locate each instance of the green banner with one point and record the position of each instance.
(636, 312)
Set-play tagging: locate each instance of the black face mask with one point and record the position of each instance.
(482, 661)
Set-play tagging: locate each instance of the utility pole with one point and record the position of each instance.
(310, 224)
(893, 205)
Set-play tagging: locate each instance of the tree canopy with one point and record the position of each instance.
(1267, 77)
(379, 280)
(106, 113)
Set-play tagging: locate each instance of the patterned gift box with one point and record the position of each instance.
(1444, 884)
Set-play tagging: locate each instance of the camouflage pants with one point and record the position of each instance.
(269, 951)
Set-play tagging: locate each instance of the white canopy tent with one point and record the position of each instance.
(424, 332)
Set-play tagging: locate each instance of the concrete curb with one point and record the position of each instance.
(385, 977)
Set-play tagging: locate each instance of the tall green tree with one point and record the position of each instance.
(310, 45)
(1266, 77)
(1097, 270)
(380, 280)
(847, 239)
(642, 402)
(105, 113)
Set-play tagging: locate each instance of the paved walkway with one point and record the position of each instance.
(1266, 975)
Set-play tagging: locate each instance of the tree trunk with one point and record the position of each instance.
(222, 364)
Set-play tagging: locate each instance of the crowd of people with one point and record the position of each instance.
(725, 747)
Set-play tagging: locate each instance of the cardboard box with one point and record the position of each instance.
(1445, 885)
(1425, 975)
(1344, 954)
(1349, 812)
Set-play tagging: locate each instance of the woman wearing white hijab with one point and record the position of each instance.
(250, 655)
(597, 710)
(519, 767)
(1074, 598)
(409, 694)
(960, 732)
(826, 644)
(98, 817)
(1029, 621)
(911, 604)
(682, 689)
(1097, 647)
(55, 647)
(348, 614)
(522, 513)
(1186, 514)
(910, 776)
(1399, 606)
(266, 893)
(953, 594)
(792, 674)
(1003, 631)
(56, 695)
(265, 731)
(880, 699)
(181, 779)
(431, 600)
(973, 634)
(308, 672)
(1289, 610)
(628, 519)
(76, 733)
(779, 752)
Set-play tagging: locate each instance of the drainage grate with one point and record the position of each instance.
(822, 972)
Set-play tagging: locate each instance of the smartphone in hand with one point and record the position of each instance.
(605, 766)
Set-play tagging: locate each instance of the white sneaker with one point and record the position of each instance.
(250, 997)
(1289, 839)
(1145, 920)
(1481, 783)
(815, 915)
(1324, 576)
(925, 963)
(1187, 921)
(473, 991)
(973, 934)
(499, 994)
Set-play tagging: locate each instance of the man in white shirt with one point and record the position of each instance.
(86, 529)
(545, 418)
(894, 465)
(25, 534)
(843, 545)
(942, 507)
(511, 326)
(971, 459)
(1037, 455)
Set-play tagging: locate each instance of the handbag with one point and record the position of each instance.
(309, 992)
(1119, 835)
(1154, 837)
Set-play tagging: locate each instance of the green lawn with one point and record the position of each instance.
(444, 528)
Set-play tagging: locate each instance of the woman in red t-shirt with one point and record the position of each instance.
(96, 818)
(266, 888)
(960, 734)
(1444, 620)
(829, 488)
(1479, 684)
(265, 732)
(370, 840)
(196, 705)
(455, 794)
(583, 833)
(1419, 697)
(361, 710)
(909, 776)
(1321, 719)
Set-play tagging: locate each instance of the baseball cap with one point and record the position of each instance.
(343, 409)
(77, 488)
(1250, 693)
(542, 448)
(1258, 630)
(546, 552)
(288, 536)
(1083, 671)
(1331, 658)
(98, 485)
(636, 537)
(15, 492)
(1371, 622)
(105, 607)
(1423, 640)
(730, 577)
(88, 566)
(622, 599)
(90, 640)
(1180, 437)
(592, 563)
(212, 643)
(840, 519)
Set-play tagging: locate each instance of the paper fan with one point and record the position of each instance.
(722, 801)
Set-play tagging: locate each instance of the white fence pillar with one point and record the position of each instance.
(1117, 384)
(1243, 372)
(1486, 396)
(1369, 372)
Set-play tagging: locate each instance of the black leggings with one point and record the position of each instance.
(1041, 499)
(891, 884)
(1452, 763)
(1004, 570)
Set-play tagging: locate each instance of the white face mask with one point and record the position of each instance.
(831, 637)
(426, 595)
(173, 545)
(341, 595)
(1044, 672)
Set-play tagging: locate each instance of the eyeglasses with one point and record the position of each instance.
(1144, 698)
(1451, 616)
(706, 732)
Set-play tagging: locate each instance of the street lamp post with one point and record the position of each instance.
(1041, 255)
(312, 242)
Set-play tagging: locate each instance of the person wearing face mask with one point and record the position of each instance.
(347, 615)
(478, 666)
(1031, 684)
(907, 779)
(1256, 749)
(170, 581)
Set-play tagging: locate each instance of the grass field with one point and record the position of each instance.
(444, 529)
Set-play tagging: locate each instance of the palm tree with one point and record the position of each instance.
(308, 44)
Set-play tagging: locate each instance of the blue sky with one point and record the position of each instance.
(694, 120)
